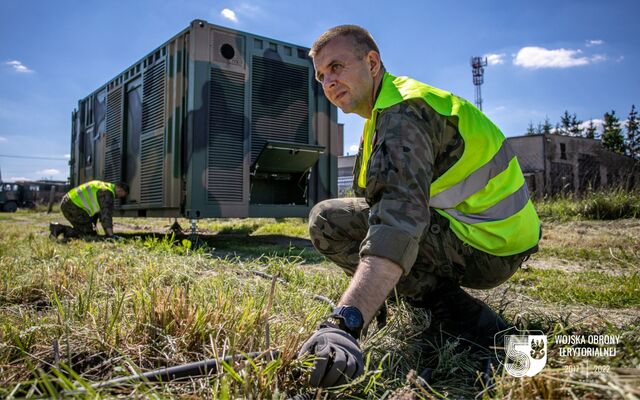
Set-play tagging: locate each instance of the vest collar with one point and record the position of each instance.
(389, 93)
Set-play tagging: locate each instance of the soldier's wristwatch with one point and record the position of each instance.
(349, 319)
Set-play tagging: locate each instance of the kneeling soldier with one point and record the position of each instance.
(443, 204)
(85, 204)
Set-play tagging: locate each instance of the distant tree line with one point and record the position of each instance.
(615, 136)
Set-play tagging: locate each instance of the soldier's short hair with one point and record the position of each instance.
(362, 39)
(124, 186)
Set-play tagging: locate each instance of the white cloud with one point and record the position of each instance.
(67, 156)
(598, 123)
(229, 14)
(353, 148)
(539, 57)
(18, 66)
(599, 58)
(18, 178)
(50, 171)
(620, 59)
(495, 59)
(594, 42)
(3, 139)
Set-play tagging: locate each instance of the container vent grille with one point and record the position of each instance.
(151, 168)
(225, 177)
(279, 103)
(153, 86)
(113, 150)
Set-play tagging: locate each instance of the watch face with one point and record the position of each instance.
(352, 317)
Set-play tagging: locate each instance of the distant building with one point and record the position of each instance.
(345, 171)
(553, 164)
(565, 164)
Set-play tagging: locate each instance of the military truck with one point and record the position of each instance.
(14, 195)
(213, 123)
(40, 191)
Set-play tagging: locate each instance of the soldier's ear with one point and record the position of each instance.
(373, 59)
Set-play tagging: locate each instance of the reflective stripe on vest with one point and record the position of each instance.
(90, 203)
(483, 195)
(456, 194)
(506, 207)
(85, 196)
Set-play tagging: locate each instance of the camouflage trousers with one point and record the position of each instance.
(338, 226)
(82, 223)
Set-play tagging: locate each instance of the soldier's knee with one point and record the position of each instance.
(316, 218)
(321, 214)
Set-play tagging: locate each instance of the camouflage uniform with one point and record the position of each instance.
(412, 147)
(82, 223)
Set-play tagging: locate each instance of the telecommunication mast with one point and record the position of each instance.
(477, 64)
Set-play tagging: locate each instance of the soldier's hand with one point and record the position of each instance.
(339, 358)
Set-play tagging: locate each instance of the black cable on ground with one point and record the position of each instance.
(178, 372)
(181, 372)
(198, 368)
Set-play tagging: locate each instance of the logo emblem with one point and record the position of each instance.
(525, 352)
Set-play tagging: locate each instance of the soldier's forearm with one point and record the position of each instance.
(107, 222)
(371, 284)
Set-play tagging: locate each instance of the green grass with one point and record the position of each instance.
(293, 227)
(79, 312)
(604, 246)
(590, 288)
(619, 257)
(605, 204)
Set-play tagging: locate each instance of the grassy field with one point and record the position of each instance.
(78, 312)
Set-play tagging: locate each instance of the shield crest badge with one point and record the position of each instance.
(522, 353)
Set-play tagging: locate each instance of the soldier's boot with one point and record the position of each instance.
(68, 232)
(71, 233)
(459, 314)
(55, 229)
(456, 314)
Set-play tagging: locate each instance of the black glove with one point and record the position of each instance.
(339, 357)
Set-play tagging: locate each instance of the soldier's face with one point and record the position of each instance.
(346, 78)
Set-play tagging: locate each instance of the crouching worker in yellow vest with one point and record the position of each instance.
(85, 204)
(442, 204)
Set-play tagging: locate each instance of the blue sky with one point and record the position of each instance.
(545, 56)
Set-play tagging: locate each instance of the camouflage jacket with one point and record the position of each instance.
(413, 145)
(106, 202)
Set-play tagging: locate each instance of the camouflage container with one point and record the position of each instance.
(213, 123)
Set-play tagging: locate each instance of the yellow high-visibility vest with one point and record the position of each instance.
(85, 196)
(484, 194)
